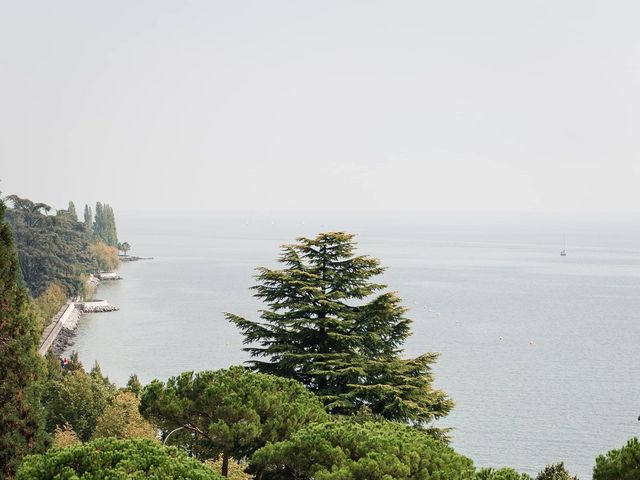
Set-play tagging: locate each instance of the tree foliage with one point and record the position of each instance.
(60, 249)
(76, 398)
(229, 412)
(133, 385)
(71, 210)
(105, 257)
(63, 436)
(122, 419)
(124, 247)
(49, 303)
(555, 471)
(342, 449)
(51, 248)
(504, 473)
(87, 225)
(328, 326)
(619, 464)
(21, 368)
(236, 470)
(104, 225)
(109, 458)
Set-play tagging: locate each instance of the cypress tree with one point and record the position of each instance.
(88, 220)
(21, 368)
(98, 221)
(112, 232)
(104, 226)
(72, 212)
(329, 326)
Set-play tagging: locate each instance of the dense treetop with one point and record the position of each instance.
(104, 225)
(619, 464)
(115, 459)
(230, 412)
(343, 449)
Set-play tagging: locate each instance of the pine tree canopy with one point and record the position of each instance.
(344, 449)
(329, 326)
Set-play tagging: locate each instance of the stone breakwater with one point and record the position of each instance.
(97, 306)
(109, 276)
(133, 258)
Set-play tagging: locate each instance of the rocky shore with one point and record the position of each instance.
(65, 337)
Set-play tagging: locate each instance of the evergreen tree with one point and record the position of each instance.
(21, 368)
(504, 473)
(111, 458)
(112, 232)
(228, 412)
(98, 222)
(104, 226)
(133, 385)
(322, 328)
(341, 450)
(88, 221)
(555, 472)
(619, 464)
(71, 210)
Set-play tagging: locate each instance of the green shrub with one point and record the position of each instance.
(115, 460)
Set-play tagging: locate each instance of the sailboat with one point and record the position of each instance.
(563, 252)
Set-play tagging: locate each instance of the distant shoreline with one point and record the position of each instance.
(132, 258)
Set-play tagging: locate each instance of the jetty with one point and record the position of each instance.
(109, 276)
(96, 305)
(132, 258)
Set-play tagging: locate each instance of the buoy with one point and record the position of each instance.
(500, 337)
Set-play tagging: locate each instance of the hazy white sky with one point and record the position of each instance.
(357, 105)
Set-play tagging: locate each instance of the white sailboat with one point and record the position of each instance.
(563, 252)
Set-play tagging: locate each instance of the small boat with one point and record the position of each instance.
(563, 252)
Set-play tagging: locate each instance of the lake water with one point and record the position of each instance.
(539, 352)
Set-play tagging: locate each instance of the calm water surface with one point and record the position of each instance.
(539, 352)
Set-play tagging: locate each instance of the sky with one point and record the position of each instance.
(198, 106)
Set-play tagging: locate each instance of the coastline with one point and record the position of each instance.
(64, 324)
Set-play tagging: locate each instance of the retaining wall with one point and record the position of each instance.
(52, 331)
